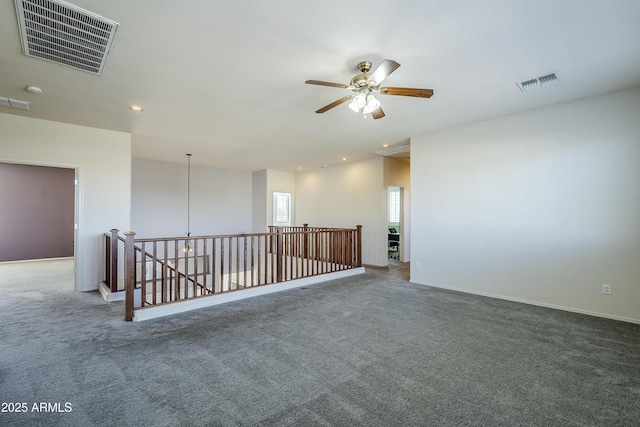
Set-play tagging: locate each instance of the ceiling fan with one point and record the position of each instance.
(365, 85)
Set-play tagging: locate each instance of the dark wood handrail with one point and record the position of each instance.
(226, 263)
(211, 236)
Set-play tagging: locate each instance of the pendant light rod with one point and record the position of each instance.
(188, 195)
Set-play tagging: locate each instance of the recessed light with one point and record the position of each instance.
(385, 145)
(299, 168)
(136, 108)
(344, 159)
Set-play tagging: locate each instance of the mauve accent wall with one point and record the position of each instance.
(36, 212)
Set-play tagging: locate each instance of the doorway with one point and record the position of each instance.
(395, 223)
(38, 212)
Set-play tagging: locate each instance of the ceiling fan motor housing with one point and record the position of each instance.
(360, 80)
(364, 66)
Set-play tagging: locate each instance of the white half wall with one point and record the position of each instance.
(345, 196)
(541, 207)
(221, 199)
(102, 159)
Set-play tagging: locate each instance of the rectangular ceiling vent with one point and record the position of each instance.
(538, 82)
(394, 150)
(14, 103)
(60, 32)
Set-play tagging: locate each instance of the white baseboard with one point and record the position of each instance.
(525, 301)
(24, 261)
(208, 301)
(109, 296)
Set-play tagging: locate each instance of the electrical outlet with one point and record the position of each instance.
(606, 289)
(417, 265)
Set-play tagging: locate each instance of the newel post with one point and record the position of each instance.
(279, 253)
(359, 246)
(129, 274)
(305, 241)
(112, 261)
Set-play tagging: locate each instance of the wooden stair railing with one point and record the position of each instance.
(225, 263)
(173, 270)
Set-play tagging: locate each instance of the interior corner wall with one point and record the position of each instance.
(220, 200)
(347, 195)
(397, 173)
(264, 184)
(259, 219)
(540, 207)
(102, 159)
(281, 182)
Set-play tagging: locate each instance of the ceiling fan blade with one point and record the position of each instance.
(406, 91)
(321, 83)
(378, 113)
(387, 67)
(334, 104)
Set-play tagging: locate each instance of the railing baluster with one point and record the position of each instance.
(130, 274)
(252, 251)
(230, 263)
(260, 259)
(165, 290)
(112, 269)
(222, 269)
(244, 261)
(143, 276)
(204, 289)
(176, 279)
(214, 263)
(195, 267)
(237, 262)
(279, 254)
(154, 274)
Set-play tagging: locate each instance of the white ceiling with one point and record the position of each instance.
(225, 80)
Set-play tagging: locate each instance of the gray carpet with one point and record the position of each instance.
(371, 350)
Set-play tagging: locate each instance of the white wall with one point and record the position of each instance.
(345, 196)
(103, 161)
(259, 201)
(541, 207)
(397, 173)
(221, 199)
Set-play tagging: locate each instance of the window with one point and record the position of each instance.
(394, 206)
(282, 208)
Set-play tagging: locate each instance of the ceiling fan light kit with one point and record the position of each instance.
(365, 85)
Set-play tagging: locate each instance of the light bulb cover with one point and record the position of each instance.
(372, 105)
(360, 100)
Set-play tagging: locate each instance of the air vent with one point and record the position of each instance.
(60, 32)
(14, 103)
(394, 150)
(538, 82)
